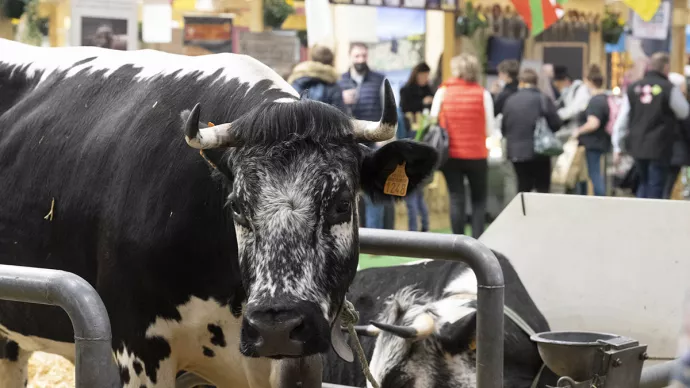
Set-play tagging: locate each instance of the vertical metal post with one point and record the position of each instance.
(94, 363)
(490, 298)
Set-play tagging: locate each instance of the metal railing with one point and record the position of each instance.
(94, 364)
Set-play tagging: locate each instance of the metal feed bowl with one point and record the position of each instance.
(571, 353)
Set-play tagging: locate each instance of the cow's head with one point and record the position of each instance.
(296, 169)
(422, 343)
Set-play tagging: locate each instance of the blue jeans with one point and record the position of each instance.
(415, 202)
(374, 213)
(652, 175)
(593, 160)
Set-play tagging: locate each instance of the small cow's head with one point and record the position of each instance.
(296, 169)
(422, 343)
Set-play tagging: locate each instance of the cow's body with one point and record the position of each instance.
(96, 136)
(438, 286)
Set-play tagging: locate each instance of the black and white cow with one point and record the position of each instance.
(425, 332)
(213, 263)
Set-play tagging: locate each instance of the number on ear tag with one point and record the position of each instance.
(397, 181)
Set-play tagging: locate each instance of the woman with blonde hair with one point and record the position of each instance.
(465, 109)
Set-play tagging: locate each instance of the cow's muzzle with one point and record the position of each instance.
(290, 330)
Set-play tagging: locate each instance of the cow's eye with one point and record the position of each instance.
(343, 207)
(237, 213)
(340, 211)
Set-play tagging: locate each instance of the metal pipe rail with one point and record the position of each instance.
(490, 284)
(659, 375)
(94, 362)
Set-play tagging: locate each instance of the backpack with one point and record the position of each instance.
(614, 109)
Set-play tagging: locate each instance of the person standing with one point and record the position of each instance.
(650, 110)
(573, 101)
(520, 115)
(415, 97)
(592, 134)
(362, 96)
(507, 78)
(319, 77)
(466, 110)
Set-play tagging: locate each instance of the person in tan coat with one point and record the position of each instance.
(319, 78)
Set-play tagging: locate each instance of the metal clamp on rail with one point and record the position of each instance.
(94, 362)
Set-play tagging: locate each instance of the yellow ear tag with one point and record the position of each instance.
(397, 181)
(210, 124)
(473, 344)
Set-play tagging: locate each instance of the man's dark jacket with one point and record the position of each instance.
(652, 123)
(368, 104)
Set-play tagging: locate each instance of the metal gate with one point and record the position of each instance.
(95, 366)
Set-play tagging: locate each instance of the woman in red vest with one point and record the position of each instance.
(465, 109)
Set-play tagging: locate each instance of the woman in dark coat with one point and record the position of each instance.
(520, 114)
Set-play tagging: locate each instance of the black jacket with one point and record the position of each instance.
(320, 80)
(368, 105)
(502, 96)
(652, 123)
(520, 114)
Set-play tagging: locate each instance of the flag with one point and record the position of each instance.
(645, 8)
(539, 14)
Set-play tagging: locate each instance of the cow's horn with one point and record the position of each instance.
(422, 327)
(373, 131)
(365, 331)
(206, 137)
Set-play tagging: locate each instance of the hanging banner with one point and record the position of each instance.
(212, 33)
(110, 24)
(443, 5)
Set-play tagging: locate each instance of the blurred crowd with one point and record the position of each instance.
(643, 133)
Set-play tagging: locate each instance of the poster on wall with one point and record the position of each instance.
(211, 33)
(109, 24)
(657, 28)
(646, 39)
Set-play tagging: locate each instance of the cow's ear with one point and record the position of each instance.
(459, 336)
(417, 158)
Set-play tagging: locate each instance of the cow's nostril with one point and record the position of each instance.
(299, 332)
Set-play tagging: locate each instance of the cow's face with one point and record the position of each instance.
(425, 344)
(296, 170)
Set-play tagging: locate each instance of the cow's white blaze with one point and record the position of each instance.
(150, 62)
